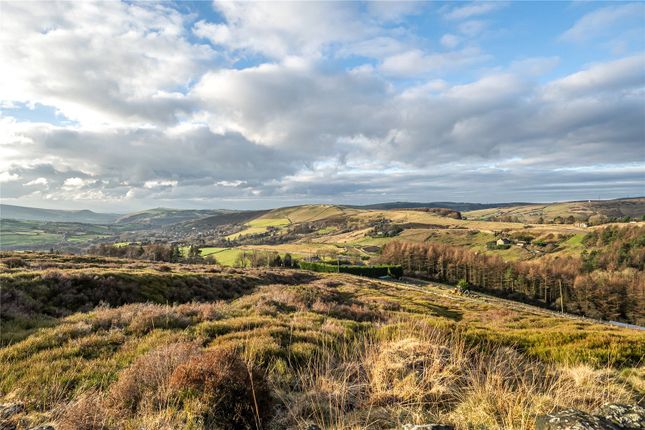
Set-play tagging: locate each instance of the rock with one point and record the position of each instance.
(45, 427)
(571, 419)
(312, 427)
(8, 410)
(625, 416)
(428, 427)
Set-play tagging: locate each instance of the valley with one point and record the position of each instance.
(456, 319)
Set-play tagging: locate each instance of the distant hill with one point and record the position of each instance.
(160, 217)
(458, 206)
(55, 215)
(223, 218)
(581, 210)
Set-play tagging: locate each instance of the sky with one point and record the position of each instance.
(117, 106)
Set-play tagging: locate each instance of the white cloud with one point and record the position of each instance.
(472, 28)
(280, 29)
(37, 181)
(159, 184)
(595, 23)
(449, 40)
(626, 73)
(229, 183)
(473, 9)
(330, 102)
(393, 10)
(75, 183)
(110, 63)
(416, 62)
(294, 106)
(535, 66)
(8, 177)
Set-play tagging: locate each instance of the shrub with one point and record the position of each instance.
(15, 262)
(152, 317)
(232, 395)
(88, 412)
(144, 385)
(394, 271)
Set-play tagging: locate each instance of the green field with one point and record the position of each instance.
(15, 233)
(259, 225)
(223, 256)
(573, 245)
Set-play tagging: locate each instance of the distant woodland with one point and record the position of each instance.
(607, 282)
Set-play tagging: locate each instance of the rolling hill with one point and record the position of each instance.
(159, 217)
(221, 219)
(458, 206)
(55, 215)
(580, 210)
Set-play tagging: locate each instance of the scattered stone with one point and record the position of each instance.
(571, 419)
(8, 410)
(625, 416)
(428, 427)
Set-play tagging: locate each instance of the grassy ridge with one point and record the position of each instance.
(335, 350)
(579, 210)
(45, 287)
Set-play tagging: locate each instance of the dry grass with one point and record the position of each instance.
(340, 351)
(145, 386)
(87, 412)
(232, 394)
(419, 374)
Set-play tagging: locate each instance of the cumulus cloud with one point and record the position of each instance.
(295, 106)
(75, 183)
(282, 29)
(159, 184)
(37, 181)
(99, 63)
(624, 74)
(8, 177)
(416, 62)
(331, 101)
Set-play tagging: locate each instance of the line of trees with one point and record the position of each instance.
(168, 253)
(395, 271)
(557, 282)
(255, 258)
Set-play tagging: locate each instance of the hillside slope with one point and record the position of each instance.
(55, 215)
(159, 217)
(580, 210)
(458, 206)
(333, 350)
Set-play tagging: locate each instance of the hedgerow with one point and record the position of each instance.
(394, 271)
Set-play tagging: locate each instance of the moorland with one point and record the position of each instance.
(168, 319)
(105, 343)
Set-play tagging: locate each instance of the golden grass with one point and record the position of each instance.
(339, 351)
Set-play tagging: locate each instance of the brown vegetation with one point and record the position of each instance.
(233, 395)
(338, 351)
(613, 289)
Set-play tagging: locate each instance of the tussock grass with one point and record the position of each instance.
(338, 351)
